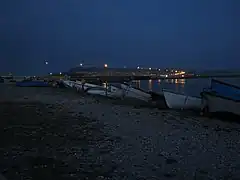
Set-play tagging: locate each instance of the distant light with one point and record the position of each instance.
(166, 75)
(182, 75)
(81, 64)
(105, 65)
(138, 67)
(149, 68)
(60, 73)
(176, 71)
(159, 69)
(46, 62)
(125, 67)
(50, 73)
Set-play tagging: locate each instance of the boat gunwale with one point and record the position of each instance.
(217, 95)
(177, 93)
(225, 83)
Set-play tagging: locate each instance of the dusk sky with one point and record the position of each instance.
(199, 34)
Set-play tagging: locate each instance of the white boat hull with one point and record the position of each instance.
(85, 86)
(135, 93)
(68, 83)
(110, 92)
(216, 104)
(78, 87)
(181, 101)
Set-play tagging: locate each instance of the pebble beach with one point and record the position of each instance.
(49, 133)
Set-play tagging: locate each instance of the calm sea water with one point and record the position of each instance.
(188, 86)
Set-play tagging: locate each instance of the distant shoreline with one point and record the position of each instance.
(129, 78)
(121, 78)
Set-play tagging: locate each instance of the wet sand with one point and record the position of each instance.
(57, 134)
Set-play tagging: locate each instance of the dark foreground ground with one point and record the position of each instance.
(42, 141)
(55, 134)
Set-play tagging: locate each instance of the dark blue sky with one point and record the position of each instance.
(155, 33)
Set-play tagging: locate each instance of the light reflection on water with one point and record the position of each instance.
(188, 86)
(138, 83)
(150, 86)
(179, 81)
(177, 85)
(158, 85)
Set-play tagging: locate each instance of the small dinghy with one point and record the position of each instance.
(81, 85)
(216, 103)
(136, 93)
(221, 97)
(110, 91)
(180, 101)
(225, 89)
(68, 83)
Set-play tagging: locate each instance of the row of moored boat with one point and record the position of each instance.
(110, 90)
(218, 97)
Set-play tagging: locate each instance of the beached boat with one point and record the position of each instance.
(77, 86)
(158, 100)
(225, 89)
(180, 101)
(60, 84)
(134, 92)
(32, 83)
(213, 102)
(68, 83)
(84, 86)
(110, 91)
